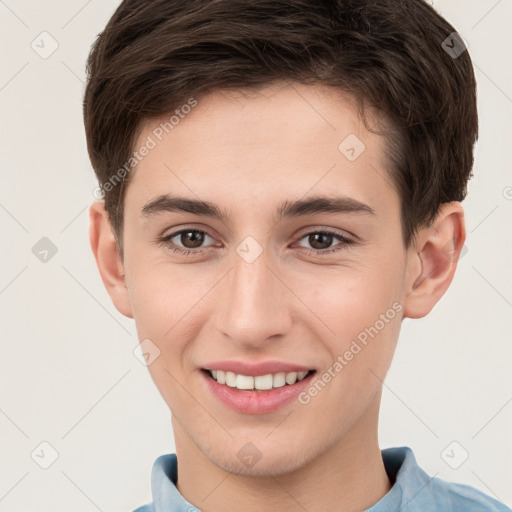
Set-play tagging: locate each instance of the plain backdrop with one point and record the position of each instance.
(69, 378)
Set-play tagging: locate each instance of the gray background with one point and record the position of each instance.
(68, 372)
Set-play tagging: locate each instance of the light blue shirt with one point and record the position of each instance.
(413, 490)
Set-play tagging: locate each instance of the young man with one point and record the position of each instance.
(282, 184)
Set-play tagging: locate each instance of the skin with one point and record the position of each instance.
(247, 154)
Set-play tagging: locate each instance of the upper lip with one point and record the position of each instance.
(252, 369)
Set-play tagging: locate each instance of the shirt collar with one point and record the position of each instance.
(164, 477)
(410, 484)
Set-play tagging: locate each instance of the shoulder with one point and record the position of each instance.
(146, 508)
(415, 491)
(463, 498)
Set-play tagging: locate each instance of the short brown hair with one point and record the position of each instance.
(394, 56)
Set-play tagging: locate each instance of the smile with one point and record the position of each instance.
(256, 394)
(258, 383)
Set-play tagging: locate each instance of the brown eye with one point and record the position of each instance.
(320, 240)
(192, 239)
(185, 241)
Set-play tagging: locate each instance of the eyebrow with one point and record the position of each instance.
(302, 207)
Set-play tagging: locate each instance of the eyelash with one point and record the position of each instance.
(344, 242)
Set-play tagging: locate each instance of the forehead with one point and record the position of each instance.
(283, 141)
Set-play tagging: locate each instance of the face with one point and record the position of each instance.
(296, 264)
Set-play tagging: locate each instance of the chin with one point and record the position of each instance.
(254, 462)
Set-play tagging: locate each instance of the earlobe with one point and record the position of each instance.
(106, 253)
(433, 260)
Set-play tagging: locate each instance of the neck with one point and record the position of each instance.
(349, 476)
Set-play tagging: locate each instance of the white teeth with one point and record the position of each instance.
(279, 380)
(261, 382)
(291, 378)
(244, 382)
(231, 379)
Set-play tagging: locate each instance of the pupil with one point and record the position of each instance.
(194, 236)
(313, 240)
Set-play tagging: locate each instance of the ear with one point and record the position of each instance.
(108, 259)
(432, 260)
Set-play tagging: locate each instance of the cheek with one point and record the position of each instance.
(160, 292)
(366, 324)
(163, 303)
(348, 302)
(167, 311)
(171, 304)
(363, 313)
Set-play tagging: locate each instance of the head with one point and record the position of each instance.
(317, 154)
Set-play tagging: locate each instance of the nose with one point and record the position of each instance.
(255, 306)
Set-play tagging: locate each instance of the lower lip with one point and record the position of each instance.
(256, 402)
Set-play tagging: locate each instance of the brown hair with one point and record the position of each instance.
(399, 57)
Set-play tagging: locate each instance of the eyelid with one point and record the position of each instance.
(325, 229)
(344, 241)
(165, 238)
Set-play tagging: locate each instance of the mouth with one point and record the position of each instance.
(265, 382)
(255, 387)
(256, 394)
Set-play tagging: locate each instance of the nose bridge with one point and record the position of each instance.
(255, 304)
